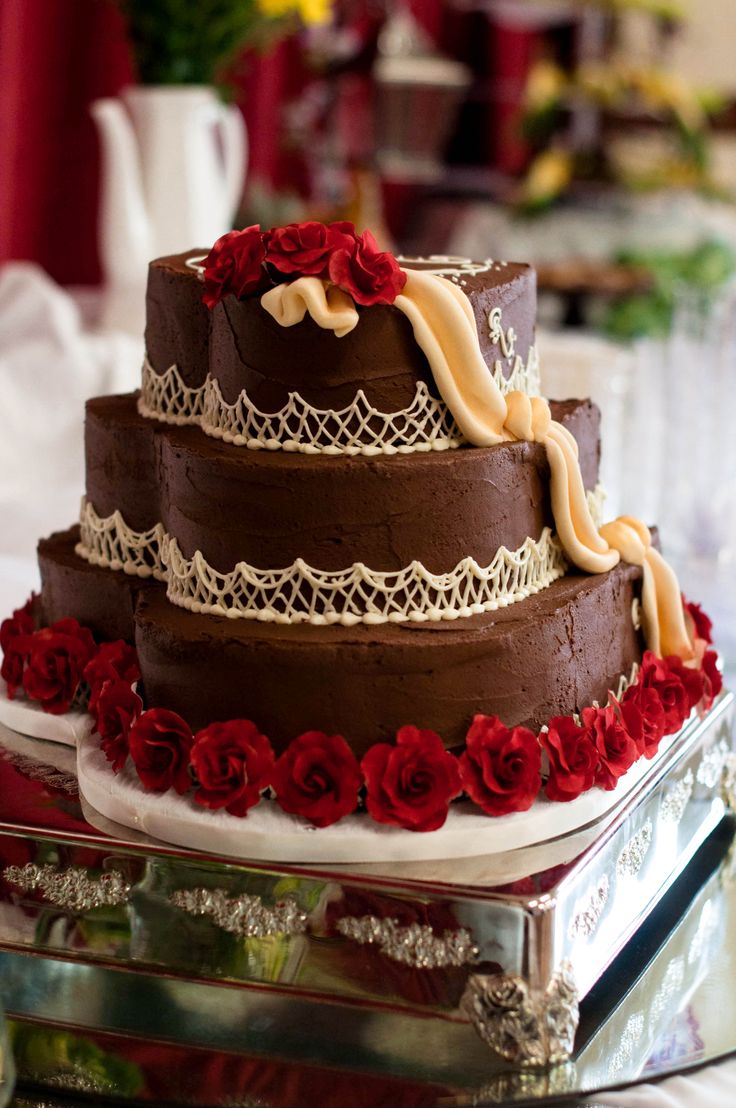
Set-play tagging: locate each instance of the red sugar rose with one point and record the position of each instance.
(702, 625)
(113, 660)
(712, 679)
(642, 714)
(501, 768)
(411, 784)
(14, 633)
(159, 743)
(616, 749)
(304, 249)
(234, 265)
(573, 759)
(233, 764)
(117, 708)
(318, 777)
(370, 275)
(692, 679)
(659, 674)
(57, 657)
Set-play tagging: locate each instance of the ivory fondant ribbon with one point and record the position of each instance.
(329, 306)
(444, 326)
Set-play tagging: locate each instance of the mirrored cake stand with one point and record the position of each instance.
(135, 971)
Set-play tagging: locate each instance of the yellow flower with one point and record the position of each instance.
(544, 87)
(549, 175)
(309, 11)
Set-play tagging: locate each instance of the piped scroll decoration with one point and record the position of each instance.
(72, 888)
(525, 1026)
(415, 945)
(246, 916)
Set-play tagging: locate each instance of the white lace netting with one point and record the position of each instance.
(359, 428)
(301, 594)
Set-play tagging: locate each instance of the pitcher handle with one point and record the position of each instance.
(235, 156)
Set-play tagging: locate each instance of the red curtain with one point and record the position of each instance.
(55, 57)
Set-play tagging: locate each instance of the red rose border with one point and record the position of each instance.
(409, 783)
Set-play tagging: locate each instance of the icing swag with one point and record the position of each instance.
(444, 327)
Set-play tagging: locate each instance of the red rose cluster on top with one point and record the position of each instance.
(250, 261)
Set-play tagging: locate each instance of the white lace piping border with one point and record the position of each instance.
(301, 594)
(298, 427)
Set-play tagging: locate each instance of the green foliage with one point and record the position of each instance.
(703, 270)
(188, 42)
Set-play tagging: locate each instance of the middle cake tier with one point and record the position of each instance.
(269, 510)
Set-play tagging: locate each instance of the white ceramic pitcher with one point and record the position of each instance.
(173, 169)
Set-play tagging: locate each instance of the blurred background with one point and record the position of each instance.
(593, 138)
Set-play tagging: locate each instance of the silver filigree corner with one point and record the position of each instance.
(589, 910)
(728, 780)
(415, 945)
(631, 858)
(525, 1026)
(246, 916)
(72, 889)
(676, 801)
(711, 768)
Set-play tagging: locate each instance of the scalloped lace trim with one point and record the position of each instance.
(301, 594)
(359, 428)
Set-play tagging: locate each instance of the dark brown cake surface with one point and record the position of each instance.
(246, 349)
(551, 654)
(269, 509)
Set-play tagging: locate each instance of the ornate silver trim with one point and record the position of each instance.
(524, 1026)
(72, 888)
(48, 775)
(711, 768)
(246, 916)
(631, 858)
(676, 801)
(415, 945)
(589, 910)
(728, 780)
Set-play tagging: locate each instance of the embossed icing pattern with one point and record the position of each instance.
(302, 594)
(359, 428)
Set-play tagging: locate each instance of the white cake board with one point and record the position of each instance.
(269, 834)
(28, 718)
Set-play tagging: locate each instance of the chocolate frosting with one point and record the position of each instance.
(551, 654)
(269, 509)
(177, 322)
(101, 599)
(249, 350)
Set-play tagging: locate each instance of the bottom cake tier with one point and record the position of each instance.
(555, 653)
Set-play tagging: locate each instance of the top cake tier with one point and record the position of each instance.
(248, 355)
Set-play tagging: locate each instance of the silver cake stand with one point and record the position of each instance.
(132, 970)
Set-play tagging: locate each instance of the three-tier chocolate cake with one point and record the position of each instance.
(339, 507)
